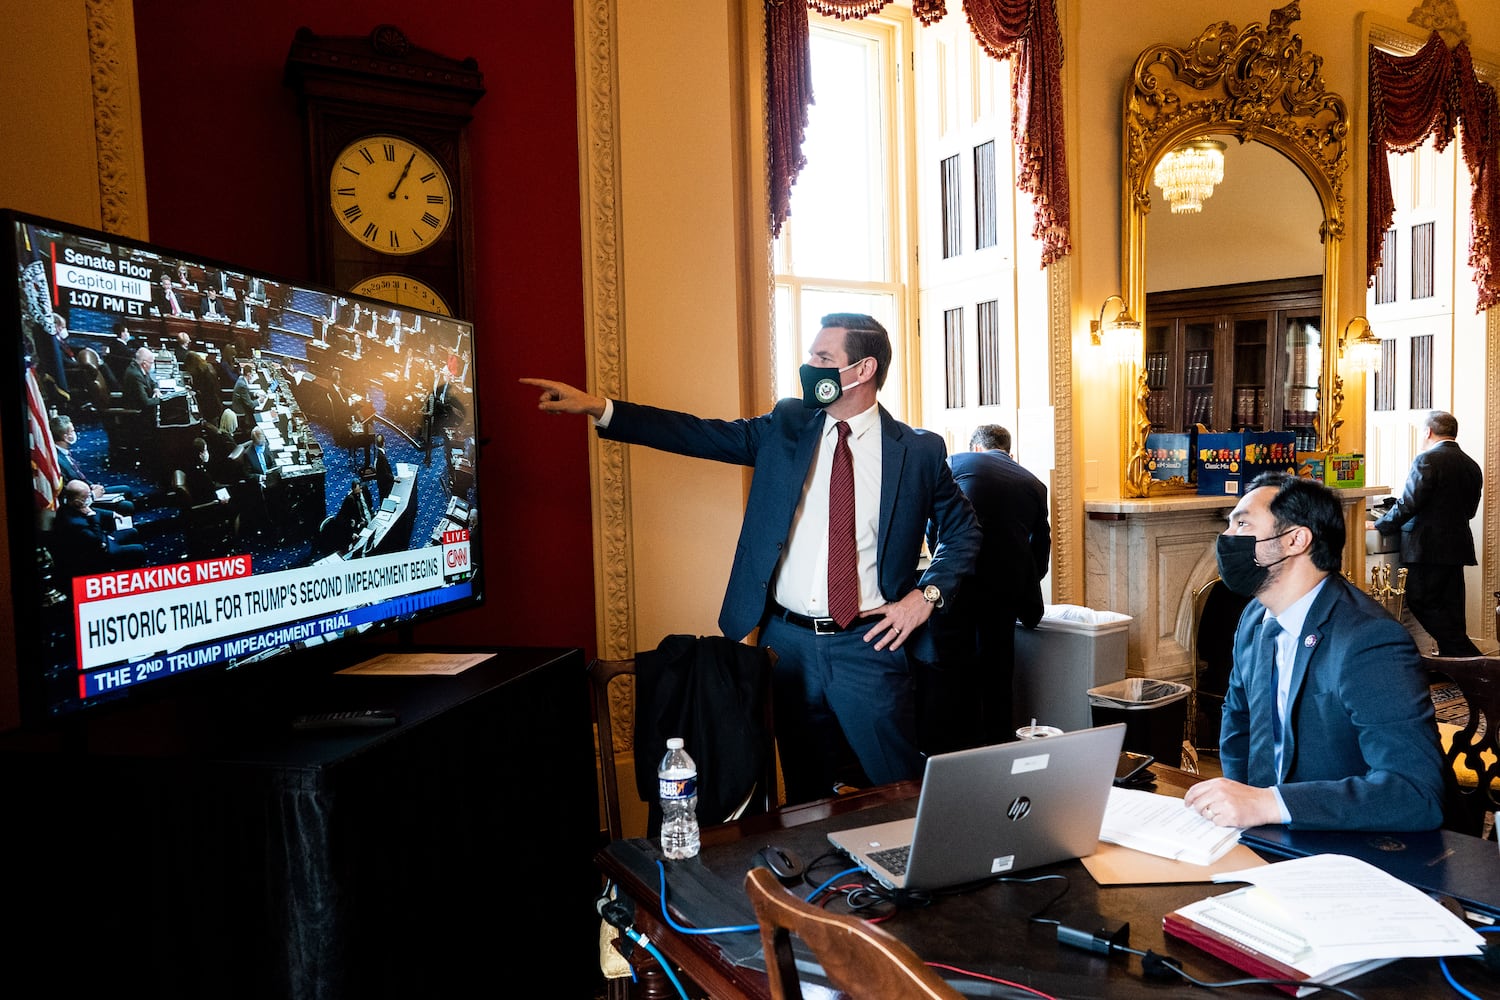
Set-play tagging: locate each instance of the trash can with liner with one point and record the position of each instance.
(1071, 650)
(1154, 713)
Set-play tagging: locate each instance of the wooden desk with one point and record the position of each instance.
(986, 931)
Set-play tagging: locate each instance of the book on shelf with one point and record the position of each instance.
(1319, 920)
(1162, 825)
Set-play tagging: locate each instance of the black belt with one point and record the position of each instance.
(822, 626)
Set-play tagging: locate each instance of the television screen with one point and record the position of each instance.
(206, 467)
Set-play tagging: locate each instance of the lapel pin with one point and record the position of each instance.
(1310, 640)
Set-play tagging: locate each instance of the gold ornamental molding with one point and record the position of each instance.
(1252, 84)
(1256, 84)
(117, 133)
(1067, 544)
(599, 166)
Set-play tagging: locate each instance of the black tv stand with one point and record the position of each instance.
(193, 849)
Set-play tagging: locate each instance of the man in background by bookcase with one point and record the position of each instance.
(1327, 720)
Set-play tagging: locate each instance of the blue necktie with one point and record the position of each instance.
(1266, 644)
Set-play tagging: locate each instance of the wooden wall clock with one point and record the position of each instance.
(388, 180)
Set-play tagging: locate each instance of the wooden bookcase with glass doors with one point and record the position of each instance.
(1236, 357)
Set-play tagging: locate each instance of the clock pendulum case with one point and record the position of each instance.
(390, 190)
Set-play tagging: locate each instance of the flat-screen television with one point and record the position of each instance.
(206, 468)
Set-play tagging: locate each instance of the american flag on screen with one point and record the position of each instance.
(45, 474)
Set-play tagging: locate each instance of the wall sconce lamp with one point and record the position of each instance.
(1362, 352)
(1120, 336)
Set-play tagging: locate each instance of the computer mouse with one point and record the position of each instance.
(785, 865)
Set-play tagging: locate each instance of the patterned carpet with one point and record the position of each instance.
(1448, 703)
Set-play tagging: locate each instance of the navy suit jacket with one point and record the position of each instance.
(916, 485)
(1439, 500)
(1011, 505)
(1361, 748)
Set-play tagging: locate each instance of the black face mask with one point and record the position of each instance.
(821, 386)
(1238, 569)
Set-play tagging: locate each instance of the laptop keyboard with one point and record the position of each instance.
(892, 859)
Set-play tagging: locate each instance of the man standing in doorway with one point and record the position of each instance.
(1441, 496)
(965, 698)
(827, 559)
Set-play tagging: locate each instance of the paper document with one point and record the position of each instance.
(418, 663)
(1336, 901)
(1324, 918)
(1162, 825)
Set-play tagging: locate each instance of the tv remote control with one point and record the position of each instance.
(365, 718)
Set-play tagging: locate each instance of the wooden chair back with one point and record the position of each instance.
(1475, 747)
(859, 958)
(612, 685)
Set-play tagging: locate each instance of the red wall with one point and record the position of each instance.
(224, 178)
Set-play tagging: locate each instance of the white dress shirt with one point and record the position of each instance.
(802, 578)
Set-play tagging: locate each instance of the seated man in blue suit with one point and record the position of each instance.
(826, 564)
(1328, 717)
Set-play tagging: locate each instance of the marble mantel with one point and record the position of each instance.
(1146, 558)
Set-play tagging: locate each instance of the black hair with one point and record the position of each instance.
(1307, 503)
(864, 337)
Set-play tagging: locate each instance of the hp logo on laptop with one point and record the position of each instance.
(1019, 808)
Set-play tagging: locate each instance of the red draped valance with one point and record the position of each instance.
(1024, 29)
(1432, 92)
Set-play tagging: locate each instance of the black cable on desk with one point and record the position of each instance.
(1163, 969)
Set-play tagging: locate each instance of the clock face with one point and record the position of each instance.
(389, 194)
(403, 291)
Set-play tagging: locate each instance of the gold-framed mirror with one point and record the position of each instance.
(1232, 86)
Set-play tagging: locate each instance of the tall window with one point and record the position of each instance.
(839, 250)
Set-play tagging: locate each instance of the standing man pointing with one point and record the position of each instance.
(827, 558)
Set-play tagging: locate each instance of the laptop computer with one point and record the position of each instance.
(1436, 861)
(994, 810)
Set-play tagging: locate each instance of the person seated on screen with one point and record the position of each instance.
(167, 301)
(184, 279)
(139, 391)
(257, 493)
(213, 312)
(89, 540)
(1328, 719)
(353, 515)
(245, 400)
(119, 355)
(202, 485)
(65, 436)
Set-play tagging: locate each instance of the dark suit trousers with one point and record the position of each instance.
(834, 693)
(965, 699)
(1435, 595)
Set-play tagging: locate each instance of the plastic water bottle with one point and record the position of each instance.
(678, 778)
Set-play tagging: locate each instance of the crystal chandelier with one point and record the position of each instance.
(1187, 174)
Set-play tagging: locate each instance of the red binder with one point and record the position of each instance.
(1246, 957)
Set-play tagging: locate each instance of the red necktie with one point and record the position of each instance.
(843, 555)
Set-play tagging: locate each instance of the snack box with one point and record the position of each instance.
(1228, 461)
(1311, 464)
(1169, 456)
(1345, 470)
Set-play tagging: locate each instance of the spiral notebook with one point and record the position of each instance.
(993, 810)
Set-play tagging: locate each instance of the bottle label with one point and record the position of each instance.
(678, 788)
